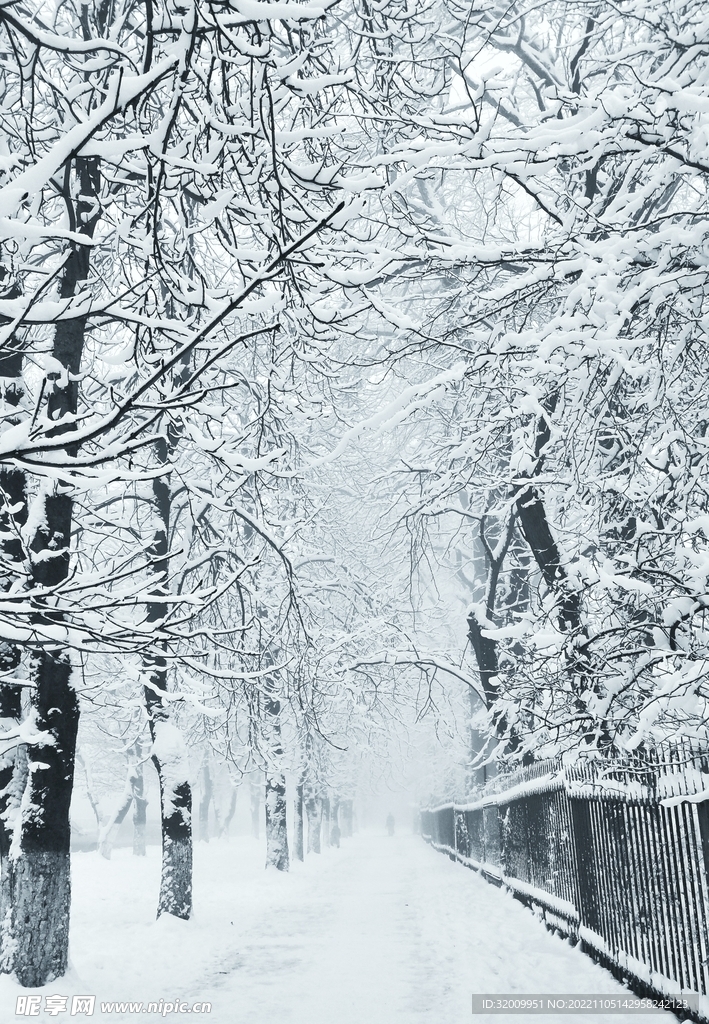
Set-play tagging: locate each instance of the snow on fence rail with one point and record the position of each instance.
(615, 852)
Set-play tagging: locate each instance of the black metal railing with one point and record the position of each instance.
(615, 852)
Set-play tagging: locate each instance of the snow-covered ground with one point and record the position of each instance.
(381, 931)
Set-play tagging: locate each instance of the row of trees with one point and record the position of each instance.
(562, 478)
(263, 263)
(174, 178)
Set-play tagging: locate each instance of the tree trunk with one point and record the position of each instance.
(335, 831)
(255, 793)
(537, 533)
(172, 763)
(110, 830)
(485, 650)
(36, 940)
(10, 765)
(12, 797)
(140, 804)
(325, 804)
(13, 516)
(139, 821)
(298, 824)
(223, 822)
(485, 647)
(132, 794)
(169, 753)
(535, 528)
(346, 816)
(38, 930)
(313, 811)
(276, 830)
(204, 801)
(88, 782)
(476, 774)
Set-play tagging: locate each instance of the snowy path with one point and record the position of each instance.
(382, 931)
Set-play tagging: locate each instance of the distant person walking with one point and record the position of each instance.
(335, 836)
(390, 824)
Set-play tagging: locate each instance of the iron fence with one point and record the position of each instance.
(616, 854)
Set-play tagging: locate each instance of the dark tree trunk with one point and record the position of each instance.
(298, 824)
(12, 488)
(537, 533)
(171, 763)
(12, 798)
(13, 516)
(276, 831)
(485, 650)
(176, 814)
(41, 890)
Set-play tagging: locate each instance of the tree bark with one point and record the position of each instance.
(13, 516)
(298, 824)
(485, 648)
(276, 830)
(313, 811)
(12, 797)
(88, 782)
(325, 804)
(140, 804)
(346, 816)
(204, 801)
(172, 764)
(537, 532)
(112, 827)
(335, 816)
(255, 795)
(37, 941)
(223, 822)
(169, 754)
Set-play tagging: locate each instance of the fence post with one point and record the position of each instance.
(585, 863)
